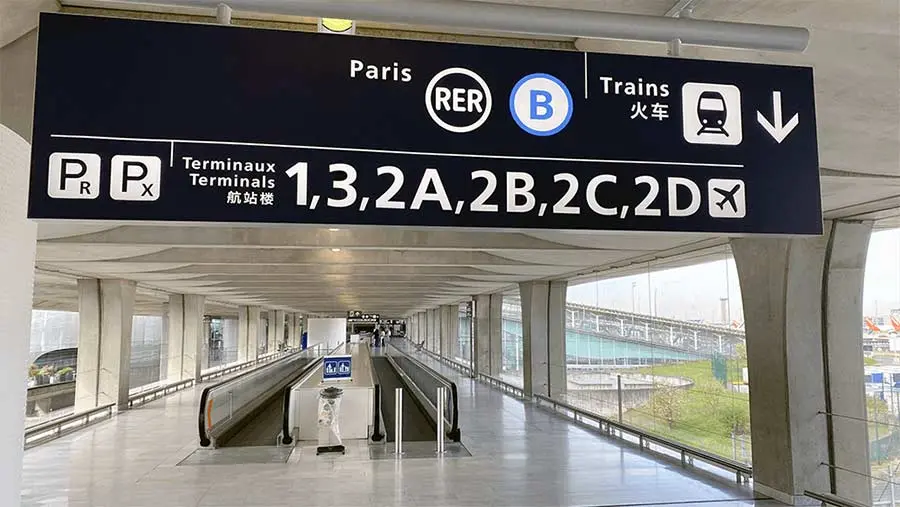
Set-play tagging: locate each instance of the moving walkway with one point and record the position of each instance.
(278, 404)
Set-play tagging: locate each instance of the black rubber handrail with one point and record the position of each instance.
(454, 434)
(377, 433)
(204, 397)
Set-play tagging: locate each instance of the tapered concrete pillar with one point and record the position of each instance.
(449, 332)
(802, 303)
(243, 351)
(481, 359)
(277, 331)
(185, 337)
(434, 331)
(106, 310)
(495, 334)
(488, 335)
(290, 324)
(204, 343)
(17, 247)
(423, 328)
(254, 326)
(543, 335)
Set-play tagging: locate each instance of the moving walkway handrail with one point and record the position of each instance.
(452, 400)
(205, 439)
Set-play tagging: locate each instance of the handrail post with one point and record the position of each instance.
(398, 421)
(619, 389)
(441, 401)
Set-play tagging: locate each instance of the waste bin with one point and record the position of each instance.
(329, 412)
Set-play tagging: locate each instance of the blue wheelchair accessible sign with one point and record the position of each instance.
(541, 104)
(336, 368)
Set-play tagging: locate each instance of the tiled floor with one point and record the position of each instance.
(521, 456)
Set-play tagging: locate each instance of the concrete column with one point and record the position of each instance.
(194, 338)
(802, 303)
(277, 329)
(185, 337)
(845, 273)
(291, 325)
(17, 247)
(434, 336)
(481, 359)
(243, 349)
(164, 344)
(204, 343)
(175, 349)
(543, 335)
(556, 337)
(495, 333)
(254, 325)
(446, 335)
(106, 310)
(423, 327)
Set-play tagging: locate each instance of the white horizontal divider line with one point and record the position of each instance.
(399, 152)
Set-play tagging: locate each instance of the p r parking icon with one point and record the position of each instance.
(74, 176)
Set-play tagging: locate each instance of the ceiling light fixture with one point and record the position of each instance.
(333, 229)
(335, 249)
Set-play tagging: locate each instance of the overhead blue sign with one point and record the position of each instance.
(226, 124)
(337, 368)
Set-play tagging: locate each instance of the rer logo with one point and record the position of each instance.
(541, 104)
(77, 176)
(458, 100)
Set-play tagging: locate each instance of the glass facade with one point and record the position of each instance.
(880, 332)
(666, 350)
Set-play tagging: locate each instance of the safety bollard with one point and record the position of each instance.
(398, 421)
(441, 402)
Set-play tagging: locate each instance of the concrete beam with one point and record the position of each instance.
(304, 237)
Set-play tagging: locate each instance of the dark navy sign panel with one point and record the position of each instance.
(336, 368)
(158, 121)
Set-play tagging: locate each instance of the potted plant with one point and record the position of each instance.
(46, 375)
(66, 374)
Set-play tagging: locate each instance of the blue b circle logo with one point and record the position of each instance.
(541, 104)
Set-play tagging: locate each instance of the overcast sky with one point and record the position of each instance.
(696, 292)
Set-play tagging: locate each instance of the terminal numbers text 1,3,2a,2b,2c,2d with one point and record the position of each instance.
(539, 193)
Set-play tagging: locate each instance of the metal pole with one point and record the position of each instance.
(398, 421)
(891, 483)
(619, 390)
(441, 396)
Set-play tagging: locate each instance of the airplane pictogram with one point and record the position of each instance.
(728, 197)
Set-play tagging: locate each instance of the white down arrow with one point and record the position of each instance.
(777, 129)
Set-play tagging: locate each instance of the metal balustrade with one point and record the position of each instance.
(60, 426)
(55, 428)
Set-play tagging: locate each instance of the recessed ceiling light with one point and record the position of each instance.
(335, 249)
(333, 229)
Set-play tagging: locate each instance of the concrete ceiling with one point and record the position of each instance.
(854, 50)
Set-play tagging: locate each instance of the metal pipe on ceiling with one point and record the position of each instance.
(526, 19)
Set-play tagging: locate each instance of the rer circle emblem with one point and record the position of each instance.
(455, 103)
(541, 104)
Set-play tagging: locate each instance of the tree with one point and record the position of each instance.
(740, 351)
(710, 392)
(667, 403)
(736, 417)
(877, 410)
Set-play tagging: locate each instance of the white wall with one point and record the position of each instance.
(331, 332)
